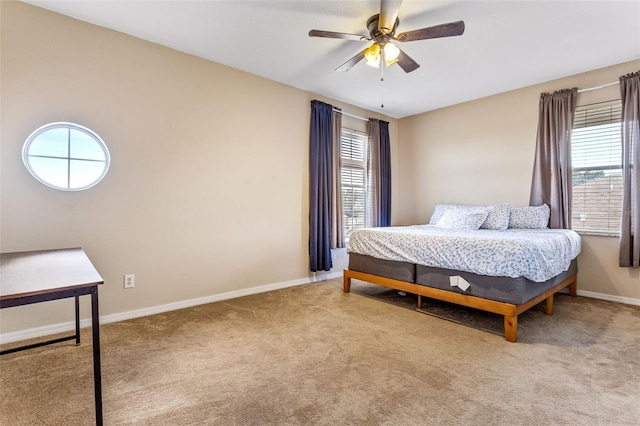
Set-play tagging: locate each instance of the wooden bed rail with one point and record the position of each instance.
(508, 310)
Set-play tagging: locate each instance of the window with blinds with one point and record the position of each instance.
(353, 172)
(596, 156)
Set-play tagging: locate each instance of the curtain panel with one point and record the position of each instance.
(373, 174)
(320, 186)
(337, 213)
(385, 174)
(378, 174)
(551, 183)
(630, 126)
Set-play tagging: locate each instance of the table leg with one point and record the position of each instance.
(97, 377)
(77, 320)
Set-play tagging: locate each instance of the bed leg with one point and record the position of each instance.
(419, 302)
(549, 301)
(346, 280)
(511, 328)
(573, 288)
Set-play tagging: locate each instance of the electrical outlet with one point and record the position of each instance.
(129, 281)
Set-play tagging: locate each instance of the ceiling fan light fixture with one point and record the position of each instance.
(375, 64)
(391, 52)
(389, 63)
(372, 55)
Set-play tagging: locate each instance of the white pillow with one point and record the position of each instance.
(530, 217)
(439, 210)
(498, 217)
(463, 219)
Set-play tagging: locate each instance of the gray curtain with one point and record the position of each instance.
(385, 174)
(337, 215)
(630, 123)
(551, 183)
(373, 174)
(320, 187)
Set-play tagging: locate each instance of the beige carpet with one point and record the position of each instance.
(313, 355)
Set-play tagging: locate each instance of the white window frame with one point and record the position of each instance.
(42, 152)
(353, 218)
(596, 156)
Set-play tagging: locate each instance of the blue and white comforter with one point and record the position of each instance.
(536, 254)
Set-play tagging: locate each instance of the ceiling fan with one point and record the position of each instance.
(382, 29)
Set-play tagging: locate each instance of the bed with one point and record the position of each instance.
(503, 266)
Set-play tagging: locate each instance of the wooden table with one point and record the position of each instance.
(42, 276)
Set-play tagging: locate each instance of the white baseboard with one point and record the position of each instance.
(122, 316)
(610, 298)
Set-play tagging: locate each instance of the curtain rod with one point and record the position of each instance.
(351, 115)
(598, 87)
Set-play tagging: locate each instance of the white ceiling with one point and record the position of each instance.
(506, 45)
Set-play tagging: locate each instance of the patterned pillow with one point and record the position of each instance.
(463, 219)
(530, 217)
(498, 217)
(440, 210)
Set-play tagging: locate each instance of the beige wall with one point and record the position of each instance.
(208, 187)
(207, 191)
(482, 152)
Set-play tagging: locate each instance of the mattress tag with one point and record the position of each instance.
(463, 284)
(458, 281)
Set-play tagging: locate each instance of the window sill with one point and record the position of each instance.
(596, 234)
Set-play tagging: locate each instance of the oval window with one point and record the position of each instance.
(66, 156)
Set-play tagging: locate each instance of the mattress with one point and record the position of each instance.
(401, 271)
(502, 289)
(537, 255)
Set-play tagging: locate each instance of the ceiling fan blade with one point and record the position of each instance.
(406, 62)
(332, 34)
(389, 10)
(351, 62)
(442, 30)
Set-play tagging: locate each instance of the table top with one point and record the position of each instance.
(45, 271)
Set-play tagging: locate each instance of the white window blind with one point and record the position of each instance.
(353, 172)
(596, 156)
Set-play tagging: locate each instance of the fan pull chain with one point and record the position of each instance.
(381, 85)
